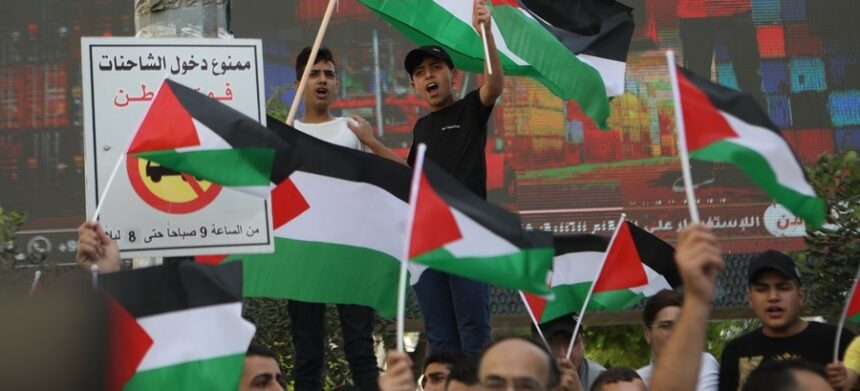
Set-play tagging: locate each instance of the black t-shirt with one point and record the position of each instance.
(744, 354)
(455, 138)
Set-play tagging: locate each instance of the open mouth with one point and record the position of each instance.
(432, 88)
(321, 92)
(775, 312)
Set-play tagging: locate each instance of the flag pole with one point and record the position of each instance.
(404, 263)
(576, 328)
(36, 278)
(682, 138)
(535, 322)
(94, 273)
(844, 316)
(486, 50)
(311, 61)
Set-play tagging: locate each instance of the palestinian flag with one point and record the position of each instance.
(637, 265)
(456, 232)
(725, 125)
(598, 31)
(526, 47)
(338, 214)
(177, 326)
(180, 133)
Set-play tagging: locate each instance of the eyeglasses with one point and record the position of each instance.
(665, 327)
(522, 384)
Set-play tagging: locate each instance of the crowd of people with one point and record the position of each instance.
(785, 353)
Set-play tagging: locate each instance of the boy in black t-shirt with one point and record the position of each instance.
(456, 310)
(776, 296)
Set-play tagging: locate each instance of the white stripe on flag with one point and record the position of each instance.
(208, 139)
(774, 149)
(477, 241)
(195, 334)
(574, 268)
(611, 71)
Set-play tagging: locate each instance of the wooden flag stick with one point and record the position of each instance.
(311, 61)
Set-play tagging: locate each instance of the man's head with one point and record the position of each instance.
(788, 375)
(463, 376)
(618, 379)
(659, 316)
(520, 362)
(775, 293)
(438, 366)
(261, 371)
(558, 333)
(432, 73)
(321, 87)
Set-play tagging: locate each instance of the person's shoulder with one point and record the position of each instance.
(743, 340)
(594, 367)
(824, 329)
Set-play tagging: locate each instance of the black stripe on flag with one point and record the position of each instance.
(601, 28)
(565, 244)
(731, 101)
(656, 253)
(492, 217)
(312, 155)
(174, 286)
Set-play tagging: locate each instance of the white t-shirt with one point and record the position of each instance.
(709, 374)
(334, 131)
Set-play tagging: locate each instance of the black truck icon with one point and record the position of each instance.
(155, 172)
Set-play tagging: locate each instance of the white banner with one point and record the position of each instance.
(150, 210)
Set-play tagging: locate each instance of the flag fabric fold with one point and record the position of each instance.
(726, 125)
(526, 48)
(598, 31)
(638, 265)
(457, 232)
(176, 326)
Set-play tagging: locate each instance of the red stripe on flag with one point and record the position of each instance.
(623, 267)
(537, 304)
(127, 345)
(287, 203)
(167, 125)
(434, 225)
(702, 120)
(512, 3)
(210, 259)
(854, 302)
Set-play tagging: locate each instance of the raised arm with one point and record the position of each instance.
(494, 84)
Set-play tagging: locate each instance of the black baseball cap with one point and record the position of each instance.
(773, 260)
(565, 323)
(416, 56)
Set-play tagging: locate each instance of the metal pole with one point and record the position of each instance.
(376, 79)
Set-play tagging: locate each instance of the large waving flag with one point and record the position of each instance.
(598, 31)
(726, 125)
(638, 265)
(177, 326)
(457, 232)
(525, 46)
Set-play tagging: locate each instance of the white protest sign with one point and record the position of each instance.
(150, 210)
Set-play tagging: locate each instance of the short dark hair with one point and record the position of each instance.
(323, 54)
(554, 370)
(448, 358)
(664, 298)
(614, 375)
(775, 375)
(256, 349)
(465, 371)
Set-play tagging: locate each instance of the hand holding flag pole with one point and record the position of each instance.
(621, 221)
(682, 138)
(404, 263)
(311, 60)
(844, 316)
